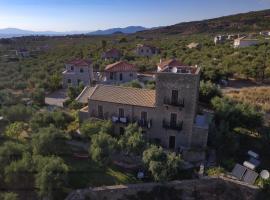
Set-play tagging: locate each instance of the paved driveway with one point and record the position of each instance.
(56, 98)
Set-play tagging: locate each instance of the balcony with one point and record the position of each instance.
(144, 123)
(176, 103)
(173, 126)
(121, 120)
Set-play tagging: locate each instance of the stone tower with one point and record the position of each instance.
(177, 90)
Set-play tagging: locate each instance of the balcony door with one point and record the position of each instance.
(121, 113)
(173, 120)
(100, 111)
(174, 98)
(144, 116)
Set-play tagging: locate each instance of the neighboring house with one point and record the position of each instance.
(244, 42)
(23, 53)
(219, 39)
(146, 50)
(168, 115)
(120, 72)
(193, 45)
(112, 54)
(77, 72)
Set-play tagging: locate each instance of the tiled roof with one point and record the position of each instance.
(83, 97)
(170, 63)
(124, 95)
(121, 66)
(80, 62)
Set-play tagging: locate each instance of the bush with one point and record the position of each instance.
(91, 127)
(215, 171)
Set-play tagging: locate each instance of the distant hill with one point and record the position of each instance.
(244, 22)
(127, 30)
(14, 32)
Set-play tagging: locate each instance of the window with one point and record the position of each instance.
(81, 70)
(144, 116)
(100, 111)
(71, 68)
(173, 120)
(131, 75)
(174, 96)
(79, 81)
(111, 76)
(69, 80)
(121, 77)
(121, 112)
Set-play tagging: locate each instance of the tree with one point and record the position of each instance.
(132, 141)
(48, 141)
(103, 44)
(9, 196)
(18, 173)
(15, 129)
(208, 91)
(163, 166)
(73, 92)
(102, 147)
(55, 82)
(44, 119)
(38, 97)
(91, 127)
(51, 176)
(9, 152)
(17, 113)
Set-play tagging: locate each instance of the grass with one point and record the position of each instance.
(258, 96)
(86, 173)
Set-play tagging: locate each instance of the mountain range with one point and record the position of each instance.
(244, 22)
(14, 32)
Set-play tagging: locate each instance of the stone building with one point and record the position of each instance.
(120, 72)
(146, 50)
(114, 54)
(168, 115)
(78, 72)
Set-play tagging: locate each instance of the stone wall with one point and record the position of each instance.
(203, 189)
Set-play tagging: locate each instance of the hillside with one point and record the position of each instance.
(245, 22)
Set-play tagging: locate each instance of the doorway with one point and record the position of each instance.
(172, 142)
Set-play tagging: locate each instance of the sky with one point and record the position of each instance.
(89, 15)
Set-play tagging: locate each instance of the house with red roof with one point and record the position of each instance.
(120, 72)
(113, 53)
(78, 71)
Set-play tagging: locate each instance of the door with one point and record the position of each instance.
(173, 120)
(172, 142)
(174, 99)
(122, 131)
(121, 77)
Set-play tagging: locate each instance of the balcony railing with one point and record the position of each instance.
(173, 126)
(177, 103)
(145, 123)
(121, 120)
